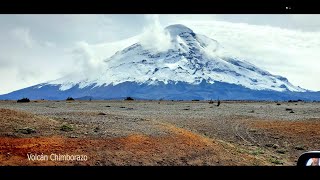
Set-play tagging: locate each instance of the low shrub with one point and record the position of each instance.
(66, 128)
(70, 99)
(257, 152)
(26, 130)
(23, 100)
(129, 99)
(275, 161)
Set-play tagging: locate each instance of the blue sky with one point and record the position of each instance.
(38, 48)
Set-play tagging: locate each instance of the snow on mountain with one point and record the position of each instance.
(189, 58)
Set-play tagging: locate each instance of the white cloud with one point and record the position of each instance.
(50, 44)
(154, 36)
(86, 60)
(306, 22)
(303, 22)
(25, 62)
(23, 35)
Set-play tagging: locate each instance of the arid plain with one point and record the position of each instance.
(159, 133)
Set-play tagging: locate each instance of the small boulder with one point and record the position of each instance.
(275, 146)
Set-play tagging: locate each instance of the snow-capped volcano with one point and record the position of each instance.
(189, 58)
(184, 65)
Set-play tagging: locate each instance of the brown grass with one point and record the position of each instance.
(290, 128)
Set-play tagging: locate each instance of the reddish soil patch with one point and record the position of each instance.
(132, 150)
(306, 129)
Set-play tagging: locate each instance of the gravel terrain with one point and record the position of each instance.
(234, 133)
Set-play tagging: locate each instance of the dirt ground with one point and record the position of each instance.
(293, 137)
(158, 133)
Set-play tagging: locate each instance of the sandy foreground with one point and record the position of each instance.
(158, 133)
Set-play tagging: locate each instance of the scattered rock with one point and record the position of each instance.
(108, 106)
(73, 136)
(186, 109)
(278, 104)
(252, 111)
(96, 129)
(9, 134)
(184, 159)
(281, 151)
(275, 146)
(288, 109)
(122, 107)
(142, 119)
(291, 111)
(102, 114)
(299, 147)
(129, 108)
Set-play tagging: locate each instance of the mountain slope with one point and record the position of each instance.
(188, 66)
